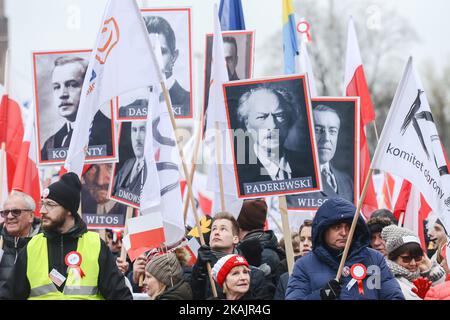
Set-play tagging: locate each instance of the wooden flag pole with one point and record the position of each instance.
(218, 138)
(353, 227)
(287, 234)
(192, 172)
(188, 181)
(400, 220)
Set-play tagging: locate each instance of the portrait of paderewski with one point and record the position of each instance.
(266, 117)
(66, 77)
(336, 132)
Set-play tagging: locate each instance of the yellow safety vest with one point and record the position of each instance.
(43, 288)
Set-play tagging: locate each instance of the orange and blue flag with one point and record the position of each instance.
(290, 45)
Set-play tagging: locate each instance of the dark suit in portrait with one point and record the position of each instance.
(122, 179)
(344, 185)
(180, 98)
(100, 134)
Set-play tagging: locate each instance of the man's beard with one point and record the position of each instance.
(55, 224)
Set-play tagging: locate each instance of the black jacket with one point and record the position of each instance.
(111, 282)
(201, 286)
(180, 291)
(11, 247)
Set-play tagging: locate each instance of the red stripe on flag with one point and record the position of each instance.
(205, 204)
(358, 88)
(424, 211)
(26, 177)
(402, 199)
(11, 133)
(149, 238)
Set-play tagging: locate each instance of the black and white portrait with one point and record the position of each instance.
(97, 209)
(131, 171)
(173, 27)
(238, 51)
(336, 123)
(272, 136)
(58, 80)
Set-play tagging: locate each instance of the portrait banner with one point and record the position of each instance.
(272, 136)
(173, 27)
(239, 52)
(58, 79)
(337, 128)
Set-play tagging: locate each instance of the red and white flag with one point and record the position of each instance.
(216, 114)
(26, 177)
(120, 62)
(410, 147)
(355, 85)
(304, 66)
(11, 135)
(192, 247)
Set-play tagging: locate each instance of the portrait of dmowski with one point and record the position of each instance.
(173, 27)
(336, 125)
(238, 50)
(272, 135)
(97, 209)
(58, 80)
(131, 171)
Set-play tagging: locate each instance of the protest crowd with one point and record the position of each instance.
(353, 247)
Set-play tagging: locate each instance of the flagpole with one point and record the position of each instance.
(287, 233)
(129, 214)
(353, 226)
(218, 137)
(384, 173)
(192, 172)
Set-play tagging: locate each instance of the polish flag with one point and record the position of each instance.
(192, 247)
(355, 85)
(145, 232)
(26, 176)
(11, 135)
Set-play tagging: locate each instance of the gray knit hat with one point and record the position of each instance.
(396, 237)
(166, 268)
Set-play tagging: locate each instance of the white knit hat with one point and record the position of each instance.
(396, 237)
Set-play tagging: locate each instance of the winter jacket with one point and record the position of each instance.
(313, 271)
(111, 282)
(439, 292)
(12, 247)
(180, 291)
(201, 287)
(280, 292)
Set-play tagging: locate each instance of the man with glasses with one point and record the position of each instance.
(66, 261)
(17, 229)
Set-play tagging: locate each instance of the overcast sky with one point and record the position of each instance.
(40, 25)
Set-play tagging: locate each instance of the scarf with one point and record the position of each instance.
(399, 271)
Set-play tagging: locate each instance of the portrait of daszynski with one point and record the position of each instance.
(272, 136)
(58, 79)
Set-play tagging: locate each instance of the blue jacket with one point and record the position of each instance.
(314, 270)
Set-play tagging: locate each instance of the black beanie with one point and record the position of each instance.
(253, 215)
(65, 192)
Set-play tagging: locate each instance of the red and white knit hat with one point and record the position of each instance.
(224, 265)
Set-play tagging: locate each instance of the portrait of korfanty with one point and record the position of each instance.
(336, 130)
(174, 33)
(59, 80)
(131, 171)
(96, 207)
(238, 51)
(273, 145)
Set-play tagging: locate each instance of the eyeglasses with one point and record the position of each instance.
(408, 259)
(48, 205)
(15, 212)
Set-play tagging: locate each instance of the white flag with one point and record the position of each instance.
(120, 62)
(216, 114)
(304, 66)
(410, 147)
